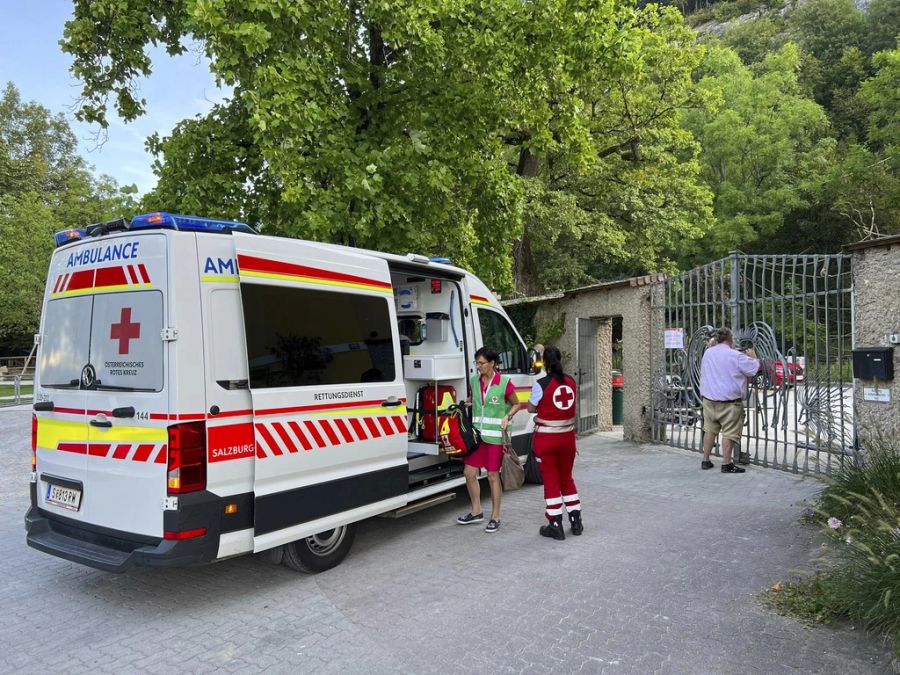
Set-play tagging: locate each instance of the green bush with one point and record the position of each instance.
(865, 581)
(875, 471)
(860, 511)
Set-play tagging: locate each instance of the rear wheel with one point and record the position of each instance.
(320, 552)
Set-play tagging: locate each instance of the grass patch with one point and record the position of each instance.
(808, 600)
(26, 390)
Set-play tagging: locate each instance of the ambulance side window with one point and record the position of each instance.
(299, 337)
(498, 334)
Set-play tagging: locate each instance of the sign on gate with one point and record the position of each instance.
(674, 338)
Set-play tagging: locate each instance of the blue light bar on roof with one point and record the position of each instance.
(440, 259)
(173, 221)
(72, 234)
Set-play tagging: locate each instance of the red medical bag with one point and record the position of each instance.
(428, 400)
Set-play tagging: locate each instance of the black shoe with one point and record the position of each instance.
(554, 529)
(731, 468)
(706, 464)
(575, 521)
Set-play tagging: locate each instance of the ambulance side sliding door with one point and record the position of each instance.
(325, 375)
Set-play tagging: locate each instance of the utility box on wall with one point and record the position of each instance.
(873, 363)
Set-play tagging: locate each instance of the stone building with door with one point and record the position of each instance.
(584, 318)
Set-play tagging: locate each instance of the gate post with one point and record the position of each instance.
(734, 256)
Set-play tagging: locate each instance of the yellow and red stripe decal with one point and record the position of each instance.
(102, 280)
(479, 300)
(326, 425)
(136, 444)
(264, 268)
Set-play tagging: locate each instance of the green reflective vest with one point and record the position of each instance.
(487, 415)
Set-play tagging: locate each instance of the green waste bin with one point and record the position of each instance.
(618, 398)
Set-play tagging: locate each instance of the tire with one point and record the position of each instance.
(320, 552)
(273, 556)
(532, 470)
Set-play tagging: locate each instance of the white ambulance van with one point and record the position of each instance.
(203, 392)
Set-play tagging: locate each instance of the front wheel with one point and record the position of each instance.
(320, 552)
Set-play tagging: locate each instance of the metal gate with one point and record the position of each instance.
(797, 313)
(586, 357)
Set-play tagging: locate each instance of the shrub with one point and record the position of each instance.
(876, 471)
(860, 510)
(865, 580)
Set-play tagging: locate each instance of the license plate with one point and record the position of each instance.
(68, 498)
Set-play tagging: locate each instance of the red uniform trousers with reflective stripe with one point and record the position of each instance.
(555, 454)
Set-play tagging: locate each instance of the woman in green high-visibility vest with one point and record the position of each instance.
(494, 403)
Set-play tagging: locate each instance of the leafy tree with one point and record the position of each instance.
(763, 152)
(882, 94)
(831, 33)
(825, 28)
(382, 122)
(44, 187)
(883, 25)
(752, 40)
(624, 212)
(866, 193)
(37, 149)
(26, 242)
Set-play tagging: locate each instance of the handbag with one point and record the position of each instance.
(458, 436)
(512, 475)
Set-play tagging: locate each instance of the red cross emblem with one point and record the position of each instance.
(124, 330)
(564, 397)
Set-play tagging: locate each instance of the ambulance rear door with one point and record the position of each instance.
(116, 287)
(326, 382)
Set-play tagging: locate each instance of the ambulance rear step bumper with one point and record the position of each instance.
(106, 551)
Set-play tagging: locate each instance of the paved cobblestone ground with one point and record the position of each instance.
(663, 581)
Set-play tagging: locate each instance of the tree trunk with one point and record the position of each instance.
(525, 278)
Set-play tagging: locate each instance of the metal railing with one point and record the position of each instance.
(16, 398)
(797, 313)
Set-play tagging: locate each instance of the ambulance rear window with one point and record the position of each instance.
(118, 334)
(298, 337)
(126, 346)
(66, 341)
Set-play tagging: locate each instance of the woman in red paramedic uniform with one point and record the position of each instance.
(553, 399)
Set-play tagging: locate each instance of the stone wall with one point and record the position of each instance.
(876, 283)
(629, 299)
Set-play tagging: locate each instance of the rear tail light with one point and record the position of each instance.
(186, 534)
(33, 442)
(186, 458)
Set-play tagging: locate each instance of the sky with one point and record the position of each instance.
(31, 58)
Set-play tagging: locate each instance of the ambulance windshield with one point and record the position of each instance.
(103, 342)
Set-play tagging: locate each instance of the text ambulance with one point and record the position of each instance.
(204, 392)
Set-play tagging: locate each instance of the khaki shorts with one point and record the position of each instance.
(727, 416)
